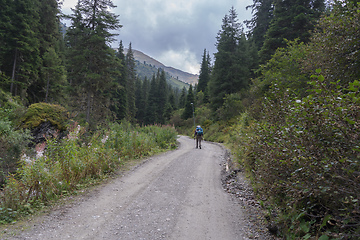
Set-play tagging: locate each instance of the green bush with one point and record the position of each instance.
(305, 159)
(334, 45)
(13, 143)
(38, 113)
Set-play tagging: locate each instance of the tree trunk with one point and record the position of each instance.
(13, 73)
(88, 107)
(47, 88)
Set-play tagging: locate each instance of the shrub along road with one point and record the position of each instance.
(176, 195)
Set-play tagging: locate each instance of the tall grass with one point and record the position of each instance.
(61, 167)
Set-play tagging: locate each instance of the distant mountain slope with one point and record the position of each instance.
(146, 70)
(175, 73)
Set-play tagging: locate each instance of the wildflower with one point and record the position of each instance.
(104, 139)
(26, 159)
(40, 149)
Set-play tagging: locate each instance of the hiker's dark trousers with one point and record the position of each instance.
(198, 141)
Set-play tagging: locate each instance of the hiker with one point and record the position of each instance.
(198, 135)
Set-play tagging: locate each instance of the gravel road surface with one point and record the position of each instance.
(176, 195)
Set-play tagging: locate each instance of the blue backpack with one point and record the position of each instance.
(199, 131)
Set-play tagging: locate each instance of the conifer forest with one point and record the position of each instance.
(282, 92)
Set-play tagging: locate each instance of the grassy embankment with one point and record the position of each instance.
(63, 167)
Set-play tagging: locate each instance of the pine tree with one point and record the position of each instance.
(130, 87)
(143, 101)
(292, 19)
(182, 98)
(5, 25)
(204, 75)
(21, 51)
(118, 93)
(150, 116)
(231, 68)
(170, 104)
(51, 81)
(172, 98)
(139, 101)
(162, 97)
(259, 24)
(54, 74)
(189, 105)
(168, 111)
(6, 12)
(91, 62)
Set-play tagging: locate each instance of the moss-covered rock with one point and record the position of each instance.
(39, 113)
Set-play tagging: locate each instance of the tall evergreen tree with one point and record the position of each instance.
(182, 98)
(231, 68)
(51, 80)
(91, 60)
(143, 101)
(150, 116)
(204, 75)
(21, 57)
(189, 105)
(138, 100)
(53, 72)
(130, 87)
(170, 104)
(292, 19)
(5, 25)
(172, 98)
(118, 102)
(162, 97)
(259, 24)
(6, 11)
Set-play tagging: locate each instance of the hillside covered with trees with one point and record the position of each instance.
(284, 96)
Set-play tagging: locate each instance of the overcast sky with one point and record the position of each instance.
(174, 32)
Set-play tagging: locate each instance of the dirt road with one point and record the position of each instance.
(176, 195)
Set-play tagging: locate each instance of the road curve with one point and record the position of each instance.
(176, 195)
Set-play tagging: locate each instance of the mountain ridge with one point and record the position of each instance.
(175, 73)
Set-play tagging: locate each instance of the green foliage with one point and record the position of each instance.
(232, 107)
(130, 85)
(305, 157)
(231, 69)
(62, 167)
(41, 112)
(12, 144)
(292, 19)
(334, 44)
(259, 24)
(118, 96)
(205, 71)
(284, 71)
(189, 104)
(10, 108)
(92, 65)
(138, 142)
(157, 100)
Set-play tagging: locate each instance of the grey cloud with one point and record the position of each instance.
(156, 27)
